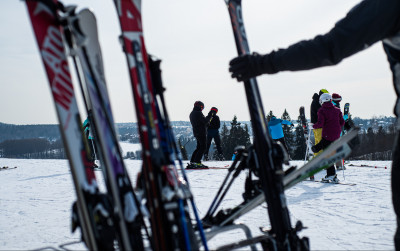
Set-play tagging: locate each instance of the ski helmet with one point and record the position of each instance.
(215, 109)
(325, 97)
(199, 104)
(336, 97)
(323, 91)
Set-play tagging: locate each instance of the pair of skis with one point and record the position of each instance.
(307, 135)
(167, 195)
(103, 218)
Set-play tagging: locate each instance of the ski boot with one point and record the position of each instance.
(330, 178)
(194, 165)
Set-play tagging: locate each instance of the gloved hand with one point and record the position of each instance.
(292, 125)
(211, 114)
(248, 66)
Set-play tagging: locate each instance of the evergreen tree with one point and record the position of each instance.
(289, 135)
(270, 115)
(224, 141)
(238, 135)
(299, 150)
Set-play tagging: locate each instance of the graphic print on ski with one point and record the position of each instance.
(156, 173)
(43, 16)
(81, 34)
(271, 175)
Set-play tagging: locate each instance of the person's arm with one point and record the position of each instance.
(321, 120)
(367, 23)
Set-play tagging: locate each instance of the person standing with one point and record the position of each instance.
(315, 105)
(336, 98)
(276, 131)
(92, 145)
(199, 126)
(330, 120)
(213, 133)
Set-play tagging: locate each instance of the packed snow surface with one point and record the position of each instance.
(36, 199)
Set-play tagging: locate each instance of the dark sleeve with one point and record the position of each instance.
(207, 119)
(218, 123)
(367, 23)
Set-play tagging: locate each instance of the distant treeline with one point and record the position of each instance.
(37, 148)
(43, 141)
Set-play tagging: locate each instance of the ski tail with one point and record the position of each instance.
(82, 34)
(170, 222)
(171, 147)
(48, 34)
(268, 167)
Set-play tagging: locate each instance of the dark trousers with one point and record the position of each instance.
(396, 188)
(323, 144)
(283, 142)
(200, 148)
(213, 134)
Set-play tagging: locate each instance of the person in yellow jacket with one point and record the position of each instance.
(315, 105)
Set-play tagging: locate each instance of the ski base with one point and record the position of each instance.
(334, 183)
(7, 168)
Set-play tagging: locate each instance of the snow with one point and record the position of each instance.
(36, 199)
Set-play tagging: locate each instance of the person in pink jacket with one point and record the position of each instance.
(330, 119)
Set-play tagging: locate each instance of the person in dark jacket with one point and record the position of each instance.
(213, 133)
(330, 120)
(315, 105)
(276, 131)
(336, 98)
(368, 22)
(199, 126)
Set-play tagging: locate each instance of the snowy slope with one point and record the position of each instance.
(35, 202)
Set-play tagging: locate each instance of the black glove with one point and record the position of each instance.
(292, 125)
(210, 114)
(248, 66)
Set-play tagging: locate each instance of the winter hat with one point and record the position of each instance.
(215, 109)
(323, 91)
(336, 97)
(325, 97)
(199, 104)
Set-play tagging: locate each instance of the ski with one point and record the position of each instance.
(333, 183)
(370, 166)
(82, 37)
(171, 227)
(48, 34)
(7, 168)
(268, 166)
(292, 177)
(210, 167)
(307, 134)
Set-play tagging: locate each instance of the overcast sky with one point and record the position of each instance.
(194, 39)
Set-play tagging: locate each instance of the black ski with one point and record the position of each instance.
(307, 134)
(268, 166)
